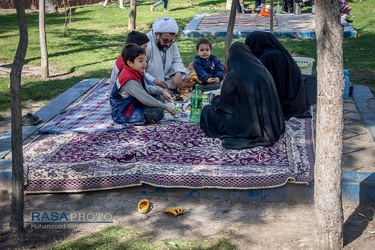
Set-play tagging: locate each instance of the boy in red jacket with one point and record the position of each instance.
(133, 37)
(131, 99)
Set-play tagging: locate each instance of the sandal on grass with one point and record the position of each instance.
(30, 120)
(143, 206)
(174, 211)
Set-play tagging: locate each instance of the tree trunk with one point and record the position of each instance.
(232, 20)
(43, 40)
(329, 126)
(15, 93)
(132, 15)
(271, 16)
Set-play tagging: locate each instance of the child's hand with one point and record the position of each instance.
(211, 80)
(167, 95)
(170, 110)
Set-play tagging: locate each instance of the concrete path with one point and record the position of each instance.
(359, 133)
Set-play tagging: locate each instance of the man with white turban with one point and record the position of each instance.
(164, 65)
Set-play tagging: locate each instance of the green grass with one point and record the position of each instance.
(94, 39)
(117, 237)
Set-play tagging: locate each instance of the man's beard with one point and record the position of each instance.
(160, 46)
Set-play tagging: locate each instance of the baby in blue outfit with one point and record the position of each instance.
(209, 68)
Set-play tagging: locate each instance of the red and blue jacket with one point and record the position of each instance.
(128, 110)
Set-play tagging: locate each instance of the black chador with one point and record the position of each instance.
(247, 113)
(284, 70)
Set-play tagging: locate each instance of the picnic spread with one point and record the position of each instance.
(84, 150)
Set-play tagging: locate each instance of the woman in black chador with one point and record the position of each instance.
(284, 70)
(247, 113)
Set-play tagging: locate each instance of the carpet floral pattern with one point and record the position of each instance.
(170, 154)
(92, 114)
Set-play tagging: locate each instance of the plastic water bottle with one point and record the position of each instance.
(196, 105)
(313, 9)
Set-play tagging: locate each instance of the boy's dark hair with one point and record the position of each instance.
(204, 41)
(137, 38)
(130, 52)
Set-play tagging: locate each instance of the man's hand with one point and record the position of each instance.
(160, 83)
(167, 95)
(170, 110)
(176, 80)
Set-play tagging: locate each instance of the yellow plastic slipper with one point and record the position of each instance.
(174, 211)
(143, 206)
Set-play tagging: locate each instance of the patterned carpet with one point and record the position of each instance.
(170, 154)
(92, 114)
(222, 19)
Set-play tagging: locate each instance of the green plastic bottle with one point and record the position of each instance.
(196, 105)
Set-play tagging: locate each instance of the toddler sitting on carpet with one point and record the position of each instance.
(130, 98)
(208, 67)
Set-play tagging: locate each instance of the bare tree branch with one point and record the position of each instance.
(15, 92)
(232, 20)
(132, 15)
(43, 40)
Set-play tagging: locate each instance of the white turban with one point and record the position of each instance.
(165, 25)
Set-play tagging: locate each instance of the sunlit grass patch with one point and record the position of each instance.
(117, 237)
